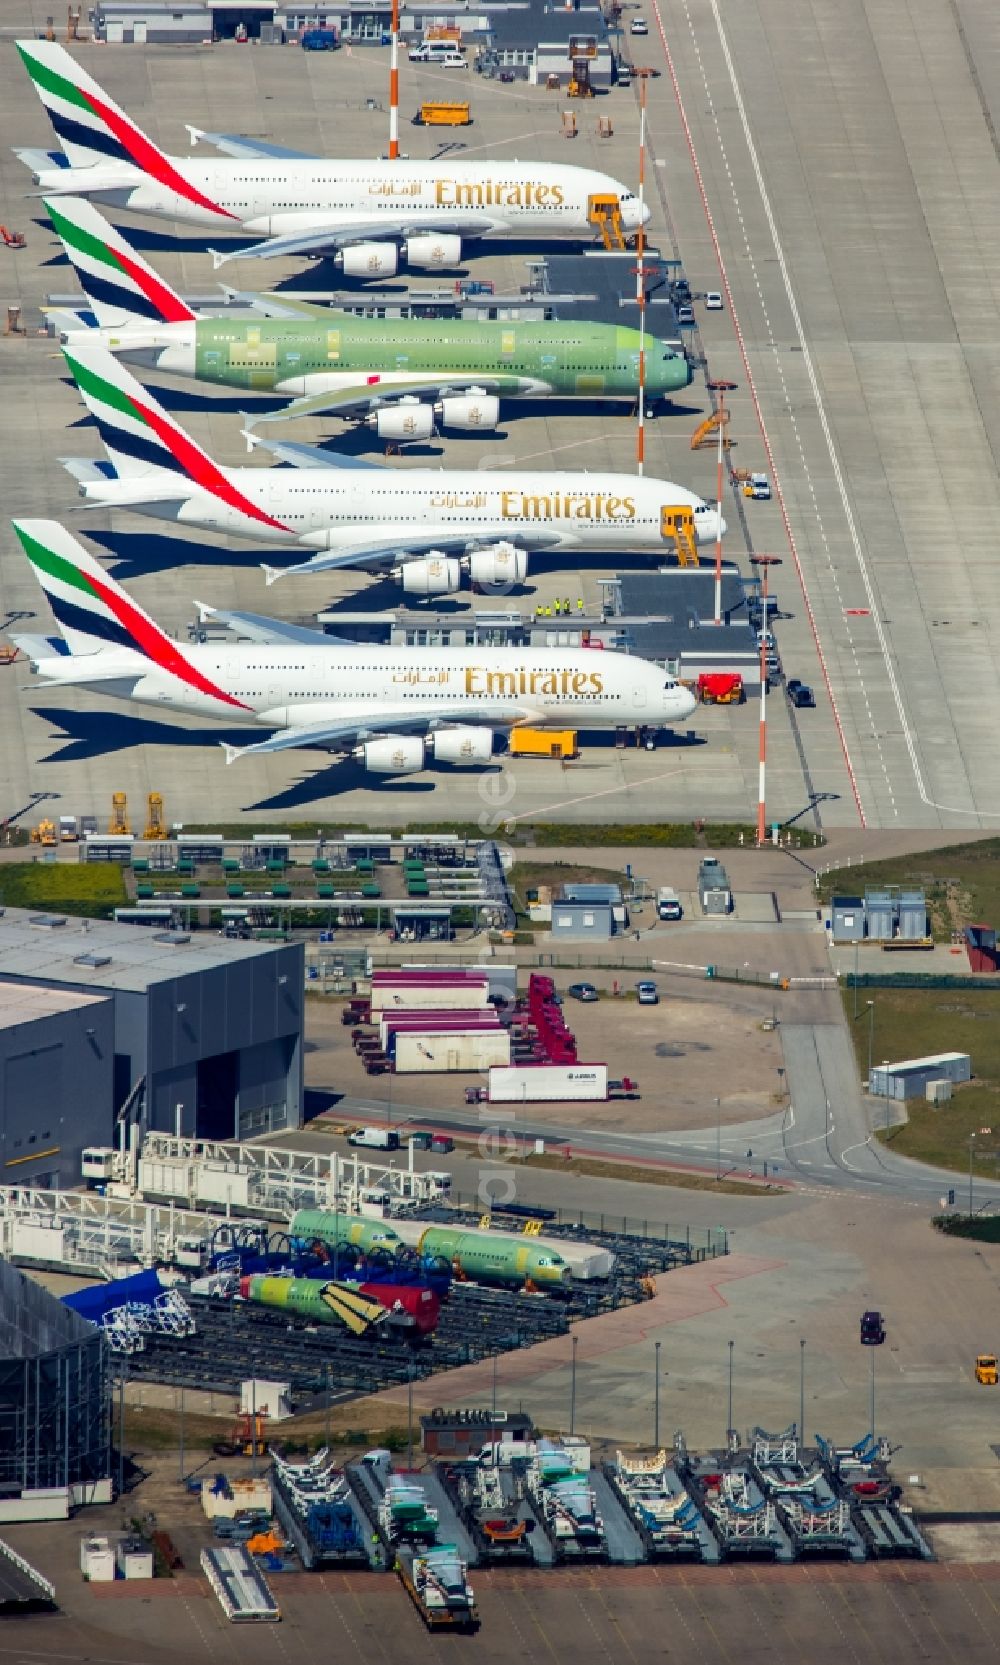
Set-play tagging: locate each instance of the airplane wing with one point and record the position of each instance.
(245, 149)
(333, 236)
(273, 305)
(368, 391)
(345, 731)
(304, 456)
(255, 627)
(372, 555)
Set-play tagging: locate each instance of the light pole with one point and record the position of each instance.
(729, 1422)
(182, 1436)
(409, 1415)
(718, 1138)
(763, 563)
(871, 1406)
(656, 1398)
(326, 1427)
(856, 942)
(802, 1394)
(871, 1039)
(494, 1412)
(572, 1388)
(972, 1143)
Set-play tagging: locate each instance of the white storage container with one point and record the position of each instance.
(97, 1560)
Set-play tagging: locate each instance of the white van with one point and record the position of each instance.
(434, 51)
(449, 60)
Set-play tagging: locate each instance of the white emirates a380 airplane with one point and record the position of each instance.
(429, 526)
(370, 214)
(392, 708)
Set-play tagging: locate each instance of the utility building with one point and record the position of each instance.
(57, 1050)
(206, 1032)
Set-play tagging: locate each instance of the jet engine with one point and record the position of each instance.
(463, 745)
(431, 575)
(369, 260)
(433, 251)
(402, 754)
(479, 411)
(499, 567)
(408, 420)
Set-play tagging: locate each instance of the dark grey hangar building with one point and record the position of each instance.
(205, 1035)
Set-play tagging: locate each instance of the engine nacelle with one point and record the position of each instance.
(401, 754)
(463, 745)
(475, 412)
(500, 567)
(431, 251)
(431, 575)
(369, 260)
(409, 420)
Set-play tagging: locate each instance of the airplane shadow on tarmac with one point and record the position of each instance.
(87, 734)
(138, 554)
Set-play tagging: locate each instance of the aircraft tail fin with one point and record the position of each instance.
(95, 615)
(94, 133)
(121, 287)
(91, 129)
(144, 443)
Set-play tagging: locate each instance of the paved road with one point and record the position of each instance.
(823, 1138)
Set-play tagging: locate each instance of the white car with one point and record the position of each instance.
(713, 301)
(647, 994)
(639, 26)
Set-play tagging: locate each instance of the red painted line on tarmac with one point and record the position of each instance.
(789, 534)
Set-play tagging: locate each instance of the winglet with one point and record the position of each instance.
(218, 259)
(194, 133)
(232, 752)
(250, 437)
(270, 573)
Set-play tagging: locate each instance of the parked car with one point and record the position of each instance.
(713, 301)
(680, 290)
(647, 994)
(799, 693)
(639, 26)
(685, 315)
(872, 1329)
(623, 75)
(583, 991)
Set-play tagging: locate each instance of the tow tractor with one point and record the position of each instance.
(986, 1369)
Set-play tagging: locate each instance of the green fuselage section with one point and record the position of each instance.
(304, 356)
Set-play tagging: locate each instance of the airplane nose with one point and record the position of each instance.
(691, 705)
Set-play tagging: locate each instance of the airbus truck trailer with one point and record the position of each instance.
(551, 1083)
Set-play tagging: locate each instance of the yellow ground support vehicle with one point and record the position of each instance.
(986, 1369)
(538, 742)
(444, 115)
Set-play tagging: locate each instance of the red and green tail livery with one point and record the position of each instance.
(93, 612)
(90, 127)
(119, 284)
(141, 439)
